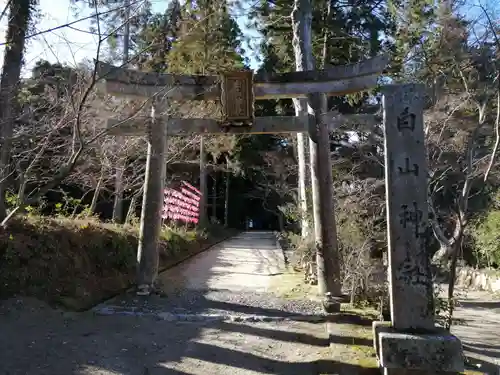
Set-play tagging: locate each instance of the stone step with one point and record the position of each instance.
(109, 310)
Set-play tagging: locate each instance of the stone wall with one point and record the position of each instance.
(479, 279)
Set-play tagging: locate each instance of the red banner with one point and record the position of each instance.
(183, 205)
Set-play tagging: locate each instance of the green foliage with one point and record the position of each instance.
(413, 25)
(487, 239)
(354, 33)
(291, 212)
(208, 40)
(11, 199)
(157, 37)
(67, 208)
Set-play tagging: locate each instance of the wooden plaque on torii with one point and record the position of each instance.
(237, 98)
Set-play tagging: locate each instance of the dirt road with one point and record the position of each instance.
(217, 315)
(479, 329)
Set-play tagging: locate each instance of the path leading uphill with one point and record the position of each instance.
(217, 314)
(233, 280)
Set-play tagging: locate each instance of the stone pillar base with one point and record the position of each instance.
(438, 352)
(332, 304)
(144, 290)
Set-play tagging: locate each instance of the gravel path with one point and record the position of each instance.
(479, 329)
(217, 315)
(234, 279)
(47, 342)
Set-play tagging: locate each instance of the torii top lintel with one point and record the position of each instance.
(337, 80)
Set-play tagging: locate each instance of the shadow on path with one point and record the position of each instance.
(482, 366)
(473, 304)
(276, 334)
(480, 332)
(241, 360)
(48, 342)
(493, 353)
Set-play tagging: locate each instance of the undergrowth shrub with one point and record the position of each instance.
(302, 256)
(59, 258)
(363, 278)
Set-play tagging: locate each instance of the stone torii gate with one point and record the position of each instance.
(410, 343)
(237, 92)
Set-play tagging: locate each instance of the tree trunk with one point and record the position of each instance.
(321, 173)
(97, 192)
(19, 17)
(118, 202)
(121, 163)
(494, 152)
(21, 192)
(281, 221)
(203, 184)
(214, 200)
(443, 254)
(226, 200)
(131, 208)
(446, 245)
(301, 155)
(451, 286)
(313, 151)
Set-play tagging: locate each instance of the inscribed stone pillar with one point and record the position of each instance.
(411, 344)
(411, 293)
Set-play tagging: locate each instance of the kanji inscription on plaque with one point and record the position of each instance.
(237, 97)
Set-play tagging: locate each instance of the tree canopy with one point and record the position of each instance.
(256, 176)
